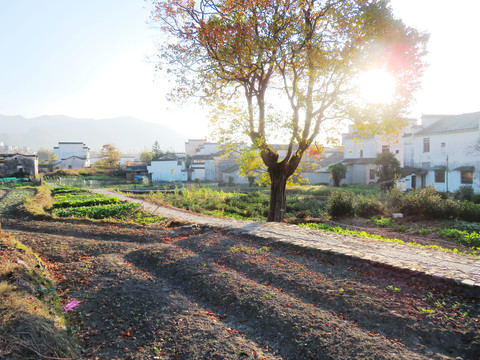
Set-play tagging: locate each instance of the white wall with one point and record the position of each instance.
(207, 149)
(166, 171)
(70, 163)
(237, 179)
(461, 148)
(68, 149)
(210, 170)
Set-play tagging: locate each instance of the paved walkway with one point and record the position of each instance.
(463, 269)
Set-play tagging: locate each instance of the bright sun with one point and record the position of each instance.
(377, 87)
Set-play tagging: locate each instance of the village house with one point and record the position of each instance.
(360, 153)
(137, 174)
(444, 151)
(204, 161)
(71, 155)
(18, 165)
(168, 168)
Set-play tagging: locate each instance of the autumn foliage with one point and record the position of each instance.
(270, 67)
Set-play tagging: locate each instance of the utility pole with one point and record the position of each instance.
(446, 172)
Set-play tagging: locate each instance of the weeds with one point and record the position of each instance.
(364, 234)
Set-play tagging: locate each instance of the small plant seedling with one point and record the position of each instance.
(392, 288)
(427, 311)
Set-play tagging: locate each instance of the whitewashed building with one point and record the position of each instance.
(71, 155)
(204, 161)
(168, 168)
(359, 154)
(444, 152)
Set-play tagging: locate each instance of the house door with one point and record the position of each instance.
(414, 181)
(424, 180)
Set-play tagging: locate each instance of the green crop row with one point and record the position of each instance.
(68, 190)
(86, 202)
(117, 211)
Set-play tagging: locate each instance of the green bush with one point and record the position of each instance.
(464, 225)
(394, 200)
(304, 205)
(428, 202)
(340, 203)
(447, 209)
(469, 211)
(367, 207)
(465, 193)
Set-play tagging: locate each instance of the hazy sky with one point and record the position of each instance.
(88, 59)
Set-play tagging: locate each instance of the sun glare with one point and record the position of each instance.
(377, 87)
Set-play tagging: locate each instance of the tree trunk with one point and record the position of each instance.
(278, 197)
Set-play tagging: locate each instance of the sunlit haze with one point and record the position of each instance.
(377, 87)
(96, 59)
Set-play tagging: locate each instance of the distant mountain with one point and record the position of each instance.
(127, 133)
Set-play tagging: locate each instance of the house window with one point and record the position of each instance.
(397, 152)
(466, 177)
(442, 145)
(372, 174)
(361, 153)
(439, 176)
(426, 145)
(385, 148)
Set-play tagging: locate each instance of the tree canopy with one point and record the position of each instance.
(388, 169)
(270, 67)
(337, 173)
(110, 157)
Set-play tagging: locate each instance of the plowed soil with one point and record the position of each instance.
(199, 293)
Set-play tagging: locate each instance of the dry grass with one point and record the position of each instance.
(31, 325)
(38, 205)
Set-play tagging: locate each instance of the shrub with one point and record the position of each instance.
(337, 173)
(464, 225)
(469, 211)
(367, 207)
(340, 203)
(304, 206)
(465, 193)
(444, 209)
(428, 202)
(394, 199)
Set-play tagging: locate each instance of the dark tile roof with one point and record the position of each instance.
(448, 123)
(359, 161)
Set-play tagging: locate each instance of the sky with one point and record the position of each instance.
(95, 59)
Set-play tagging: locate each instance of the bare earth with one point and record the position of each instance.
(199, 293)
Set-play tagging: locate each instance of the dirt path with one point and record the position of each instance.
(195, 293)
